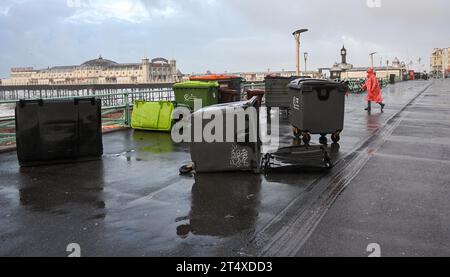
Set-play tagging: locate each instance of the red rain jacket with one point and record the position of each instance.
(373, 88)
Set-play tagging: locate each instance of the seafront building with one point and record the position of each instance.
(345, 70)
(440, 62)
(98, 71)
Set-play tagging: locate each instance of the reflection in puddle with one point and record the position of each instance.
(373, 122)
(222, 204)
(49, 189)
(155, 142)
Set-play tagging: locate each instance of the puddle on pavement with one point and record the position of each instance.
(48, 189)
(155, 142)
(223, 209)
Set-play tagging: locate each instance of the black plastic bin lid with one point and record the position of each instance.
(301, 83)
(286, 78)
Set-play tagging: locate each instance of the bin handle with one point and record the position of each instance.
(323, 94)
(253, 101)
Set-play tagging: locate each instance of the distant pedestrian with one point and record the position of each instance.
(373, 90)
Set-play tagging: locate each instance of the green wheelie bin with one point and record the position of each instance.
(186, 93)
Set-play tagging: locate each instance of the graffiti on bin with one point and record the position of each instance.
(239, 157)
(189, 98)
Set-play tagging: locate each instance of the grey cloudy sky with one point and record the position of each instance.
(218, 35)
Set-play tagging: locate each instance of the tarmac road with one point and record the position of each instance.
(390, 186)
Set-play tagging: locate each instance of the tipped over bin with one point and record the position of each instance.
(152, 116)
(58, 131)
(238, 146)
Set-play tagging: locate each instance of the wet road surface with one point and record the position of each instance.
(390, 186)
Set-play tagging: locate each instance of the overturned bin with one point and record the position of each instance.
(235, 145)
(188, 92)
(58, 131)
(317, 107)
(152, 116)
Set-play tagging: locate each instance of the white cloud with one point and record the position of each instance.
(220, 35)
(4, 10)
(134, 11)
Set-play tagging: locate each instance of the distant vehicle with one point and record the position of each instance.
(421, 76)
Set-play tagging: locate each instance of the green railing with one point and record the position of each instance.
(118, 104)
(355, 85)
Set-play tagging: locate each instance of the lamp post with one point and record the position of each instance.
(296, 35)
(444, 62)
(387, 70)
(420, 64)
(306, 58)
(371, 57)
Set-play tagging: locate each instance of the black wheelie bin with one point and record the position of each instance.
(58, 131)
(317, 107)
(237, 150)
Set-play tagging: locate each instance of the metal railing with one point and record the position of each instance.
(355, 85)
(251, 85)
(117, 104)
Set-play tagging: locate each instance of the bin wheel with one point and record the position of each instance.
(323, 140)
(327, 161)
(336, 137)
(266, 163)
(306, 138)
(297, 132)
(186, 169)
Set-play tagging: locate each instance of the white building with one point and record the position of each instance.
(440, 62)
(98, 71)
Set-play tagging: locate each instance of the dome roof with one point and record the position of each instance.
(100, 62)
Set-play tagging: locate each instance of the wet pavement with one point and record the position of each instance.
(390, 186)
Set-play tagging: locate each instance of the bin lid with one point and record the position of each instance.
(277, 77)
(298, 83)
(256, 91)
(223, 107)
(197, 84)
(228, 90)
(214, 77)
(286, 78)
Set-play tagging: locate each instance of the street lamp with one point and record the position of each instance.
(444, 62)
(420, 64)
(387, 70)
(306, 58)
(371, 57)
(296, 35)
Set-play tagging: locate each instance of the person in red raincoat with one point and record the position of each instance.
(373, 90)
